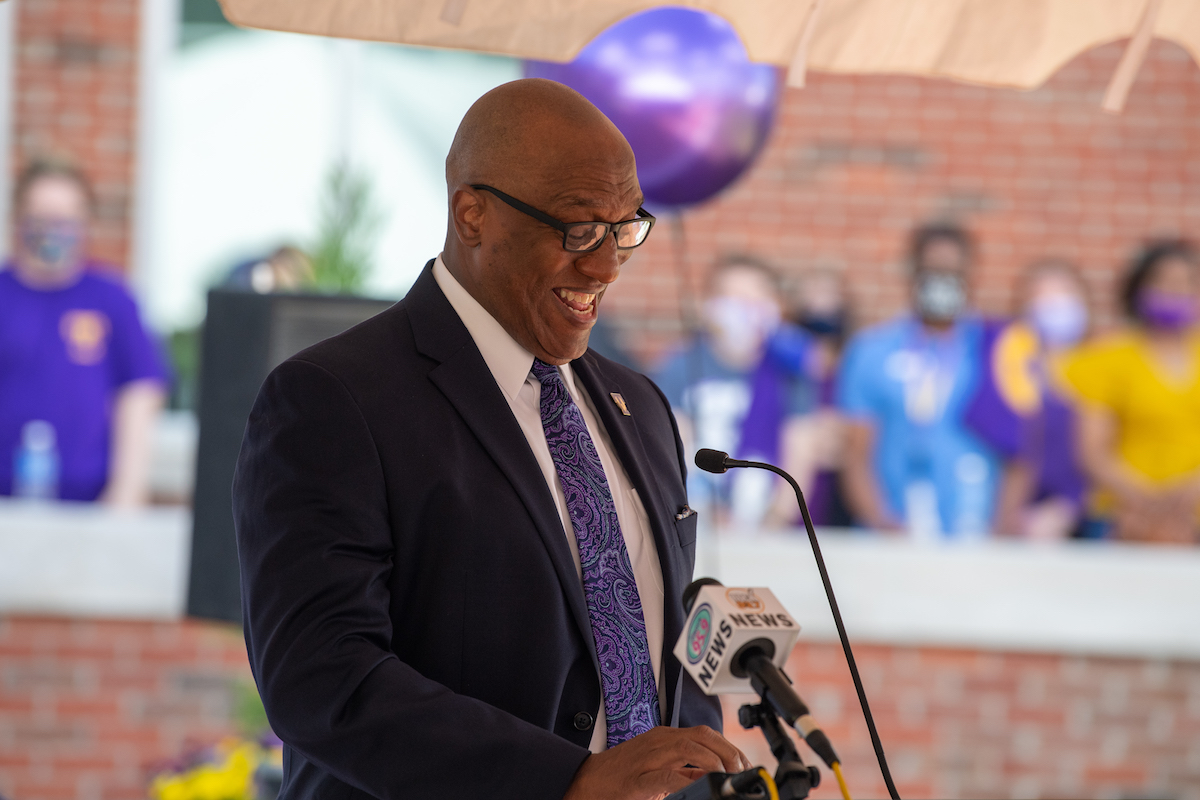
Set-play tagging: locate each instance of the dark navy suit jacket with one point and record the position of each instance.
(413, 615)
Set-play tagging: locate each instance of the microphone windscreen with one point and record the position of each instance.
(722, 622)
(712, 460)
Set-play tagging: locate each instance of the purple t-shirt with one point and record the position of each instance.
(63, 355)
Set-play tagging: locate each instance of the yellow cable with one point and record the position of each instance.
(837, 772)
(769, 782)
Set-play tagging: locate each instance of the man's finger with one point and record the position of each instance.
(668, 781)
(691, 752)
(732, 759)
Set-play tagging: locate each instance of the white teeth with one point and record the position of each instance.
(576, 297)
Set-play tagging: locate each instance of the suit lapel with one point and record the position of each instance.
(467, 383)
(627, 441)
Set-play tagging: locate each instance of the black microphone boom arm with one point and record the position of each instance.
(717, 462)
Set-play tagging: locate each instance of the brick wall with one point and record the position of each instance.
(855, 162)
(75, 96)
(963, 723)
(88, 707)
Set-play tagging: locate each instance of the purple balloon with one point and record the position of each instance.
(679, 85)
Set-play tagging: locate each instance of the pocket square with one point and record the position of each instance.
(684, 513)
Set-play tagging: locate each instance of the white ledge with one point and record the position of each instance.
(1075, 597)
(79, 560)
(1095, 598)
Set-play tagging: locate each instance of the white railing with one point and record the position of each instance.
(1086, 597)
(80, 560)
(1094, 598)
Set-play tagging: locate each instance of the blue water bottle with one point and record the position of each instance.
(36, 464)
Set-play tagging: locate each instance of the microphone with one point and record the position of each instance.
(734, 641)
(749, 784)
(723, 627)
(717, 462)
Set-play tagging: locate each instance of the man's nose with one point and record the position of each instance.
(604, 263)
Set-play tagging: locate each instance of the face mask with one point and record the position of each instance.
(940, 297)
(831, 325)
(1166, 312)
(1060, 320)
(55, 244)
(741, 326)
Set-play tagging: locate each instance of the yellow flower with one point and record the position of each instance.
(230, 779)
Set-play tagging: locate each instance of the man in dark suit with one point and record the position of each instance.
(463, 536)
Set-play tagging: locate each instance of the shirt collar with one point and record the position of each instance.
(507, 360)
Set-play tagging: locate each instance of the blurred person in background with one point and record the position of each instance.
(709, 382)
(910, 462)
(792, 420)
(606, 341)
(1139, 404)
(1019, 410)
(286, 269)
(824, 312)
(81, 382)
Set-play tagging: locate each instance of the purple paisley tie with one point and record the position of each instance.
(614, 607)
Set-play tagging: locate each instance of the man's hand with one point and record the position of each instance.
(651, 766)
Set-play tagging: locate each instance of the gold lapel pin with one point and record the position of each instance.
(620, 401)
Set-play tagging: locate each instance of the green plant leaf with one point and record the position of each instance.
(341, 254)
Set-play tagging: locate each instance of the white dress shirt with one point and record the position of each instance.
(510, 365)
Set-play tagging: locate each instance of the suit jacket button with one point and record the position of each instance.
(584, 721)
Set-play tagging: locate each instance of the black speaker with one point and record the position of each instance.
(245, 336)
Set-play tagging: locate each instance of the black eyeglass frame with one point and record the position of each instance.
(565, 227)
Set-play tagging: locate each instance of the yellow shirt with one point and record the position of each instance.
(1157, 415)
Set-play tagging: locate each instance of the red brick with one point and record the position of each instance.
(1059, 178)
(69, 50)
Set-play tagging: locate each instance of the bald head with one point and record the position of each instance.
(538, 145)
(526, 135)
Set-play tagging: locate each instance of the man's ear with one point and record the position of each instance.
(466, 214)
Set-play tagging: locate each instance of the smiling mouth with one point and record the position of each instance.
(581, 304)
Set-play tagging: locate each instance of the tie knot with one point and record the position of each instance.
(544, 372)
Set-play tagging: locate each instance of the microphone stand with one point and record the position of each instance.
(749, 785)
(792, 778)
(716, 461)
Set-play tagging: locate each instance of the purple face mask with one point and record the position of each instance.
(1166, 312)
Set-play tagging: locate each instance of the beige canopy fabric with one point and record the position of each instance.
(1014, 43)
(550, 30)
(1017, 43)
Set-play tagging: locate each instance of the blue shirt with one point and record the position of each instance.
(719, 399)
(715, 397)
(64, 353)
(914, 388)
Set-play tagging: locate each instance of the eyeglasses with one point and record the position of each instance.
(583, 237)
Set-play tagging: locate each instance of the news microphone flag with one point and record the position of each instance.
(723, 620)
